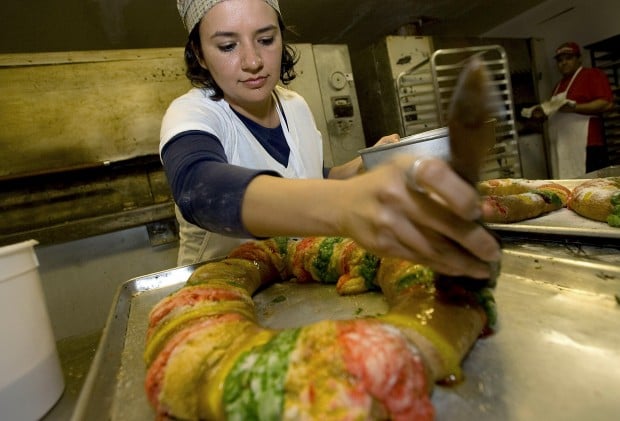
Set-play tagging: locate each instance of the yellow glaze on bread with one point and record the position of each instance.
(172, 324)
(189, 366)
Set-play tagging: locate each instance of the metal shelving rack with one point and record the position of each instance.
(446, 64)
(416, 99)
(605, 55)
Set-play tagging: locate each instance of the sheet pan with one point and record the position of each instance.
(555, 354)
(562, 222)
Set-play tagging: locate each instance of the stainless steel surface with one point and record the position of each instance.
(562, 222)
(395, 87)
(325, 80)
(430, 143)
(533, 156)
(340, 104)
(554, 356)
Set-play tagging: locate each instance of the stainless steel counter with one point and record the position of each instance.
(554, 356)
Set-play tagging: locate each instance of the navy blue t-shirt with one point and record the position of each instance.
(208, 189)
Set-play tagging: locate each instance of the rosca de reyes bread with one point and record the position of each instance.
(516, 199)
(208, 358)
(598, 199)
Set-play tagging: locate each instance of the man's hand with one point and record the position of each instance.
(539, 114)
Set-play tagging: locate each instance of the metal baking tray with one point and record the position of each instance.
(611, 171)
(555, 354)
(562, 222)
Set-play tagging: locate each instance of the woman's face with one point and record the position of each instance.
(242, 49)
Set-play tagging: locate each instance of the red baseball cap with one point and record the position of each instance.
(568, 48)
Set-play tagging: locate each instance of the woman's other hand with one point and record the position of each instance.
(386, 140)
(356, 165)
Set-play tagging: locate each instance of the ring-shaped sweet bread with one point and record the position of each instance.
(514, 199)
(598, 199)
(208, 358)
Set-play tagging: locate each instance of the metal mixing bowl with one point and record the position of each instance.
(434, 143)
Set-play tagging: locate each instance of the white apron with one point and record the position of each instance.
(568, 136)
(198, 244)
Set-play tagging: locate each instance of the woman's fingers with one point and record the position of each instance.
(429, 214)
(427, 247)
(435, 177)
(386, 140)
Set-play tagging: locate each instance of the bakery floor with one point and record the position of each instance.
(80, 279)
(76, 355)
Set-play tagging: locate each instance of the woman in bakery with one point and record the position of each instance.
(244, 160)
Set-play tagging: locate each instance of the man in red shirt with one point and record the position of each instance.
(576, 130)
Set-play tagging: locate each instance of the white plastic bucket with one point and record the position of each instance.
(31, 379)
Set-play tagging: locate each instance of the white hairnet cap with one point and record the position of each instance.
(192, 11)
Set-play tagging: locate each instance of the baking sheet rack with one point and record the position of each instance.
(555, 354)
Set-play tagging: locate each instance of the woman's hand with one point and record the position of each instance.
(356, 165)
(386, 140)
(424, 213)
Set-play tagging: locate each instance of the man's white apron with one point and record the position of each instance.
(568, 135)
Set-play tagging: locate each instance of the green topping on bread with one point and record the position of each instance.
(368, 270)
(282, 245)
(486, 299)
(326, 273)
(614, 217)
(254, 389)
(422, 275)
(549, 197)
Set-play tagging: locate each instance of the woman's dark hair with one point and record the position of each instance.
(201, 77)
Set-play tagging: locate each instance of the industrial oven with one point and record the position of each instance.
(80, 136)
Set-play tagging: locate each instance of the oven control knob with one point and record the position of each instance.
(338, 80)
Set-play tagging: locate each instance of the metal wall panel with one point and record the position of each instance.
(340, 103)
